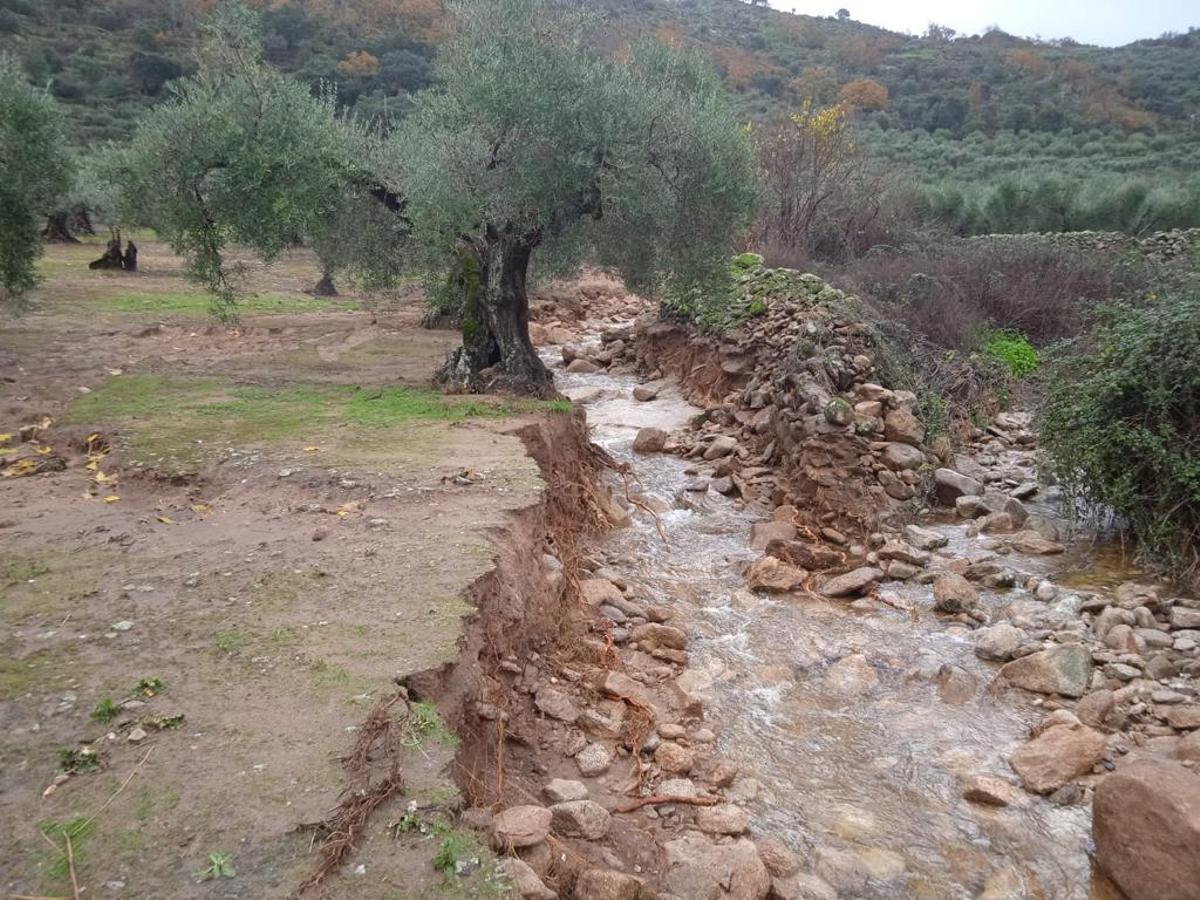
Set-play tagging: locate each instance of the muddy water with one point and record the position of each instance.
(836, 712)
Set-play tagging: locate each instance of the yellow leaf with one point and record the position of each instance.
(111, 498)
(202, 509)
(93, 465)
(312, 449)
(347, 508)
(166, 520)
(5, 438)
(44, 450)
(93, 437)
(20, 468)
(102, 478)
(45, 423)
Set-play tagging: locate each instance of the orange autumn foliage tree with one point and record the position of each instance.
(863, 93)
(359, 64)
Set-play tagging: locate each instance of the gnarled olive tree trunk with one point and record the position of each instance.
(497, 354)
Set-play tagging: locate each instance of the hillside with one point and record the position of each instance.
(961, 113)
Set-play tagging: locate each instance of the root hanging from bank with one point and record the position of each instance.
(379, 745)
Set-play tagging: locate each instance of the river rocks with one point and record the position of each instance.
(903, 427)
(606, 884)
(954, 594)
(1034, 544)
(1184, 618)
(1146, 826)
(805, 555)
(520, 826)
(852, 674)
(1094, 708)
(802, 887)
(1065, 670)
(721, 446)
(649, 440)
(1188, 749)
(724, 818)
(696, 868)
(925, 538)
(675, 759)
(955, 685)
(775, 855)
(621, 686)
(644, 393)
(774, 576)
(1184, 718)
(580, 818)
(525, 881)
(900, 457)
(991, 791)
(998, 642)
(898, 550)
(593, 760)
(842, 869)
(950, 485)
(560, 790)
(852, 583)
(1057, 756)
(599, 592)
(555, 704)
(839, 412)
(762, 533)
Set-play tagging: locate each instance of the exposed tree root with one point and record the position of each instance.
(660, 799)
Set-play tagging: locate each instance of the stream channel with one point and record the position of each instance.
(839, 714)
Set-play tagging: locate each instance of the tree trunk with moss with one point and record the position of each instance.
(497, 353)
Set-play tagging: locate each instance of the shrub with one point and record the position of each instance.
(1121, 422)
(1013, 350)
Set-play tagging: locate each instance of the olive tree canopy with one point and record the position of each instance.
(533, 140)
(35, 170)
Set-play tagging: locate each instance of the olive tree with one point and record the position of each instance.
(35, 169)
(533, 141)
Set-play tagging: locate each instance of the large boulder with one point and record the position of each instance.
(1058, 756)
(805, 555)
(762, 533)
(606, 884)
(949, 485)
(1146, 825)
(1034, 544)
(1065, 670)
(998, 642)
(901, 426)
(649, 440)
(774, 576)
(580, 818)
(525, 882)
(699, 869)
(954, 594)
(925, 538)
(898, 457)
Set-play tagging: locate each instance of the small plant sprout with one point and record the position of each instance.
(220, 865)
(149, 687)
(106, 710)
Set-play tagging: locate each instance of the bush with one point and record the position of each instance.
(1121, 422)
(1013, 350)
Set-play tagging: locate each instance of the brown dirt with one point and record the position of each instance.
(272, 644)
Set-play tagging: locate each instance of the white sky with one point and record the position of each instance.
(1105, 22)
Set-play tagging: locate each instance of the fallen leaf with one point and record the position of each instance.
(202, 509)
(166, 520)
(111, 498)
(20, 468)
(44, 450)
(102, 478)
(93, 465)
(312, 449)
(5, 438)
(116, 372)
(347, 508)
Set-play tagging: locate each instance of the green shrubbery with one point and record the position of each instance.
(1013, 350)
(1121, 421)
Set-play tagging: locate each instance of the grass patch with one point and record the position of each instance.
(176, 424)
(198, 304)
(230, 641)
(78, 830)
(425, 723)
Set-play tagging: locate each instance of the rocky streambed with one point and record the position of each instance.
(924, 706)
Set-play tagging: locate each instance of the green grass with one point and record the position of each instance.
(79, 830)
(176, 423)
(200, 304)
(229, 641)
(425, 723)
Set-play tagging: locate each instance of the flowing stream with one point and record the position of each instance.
(840, 714)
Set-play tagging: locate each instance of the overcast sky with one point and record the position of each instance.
(1105, 22)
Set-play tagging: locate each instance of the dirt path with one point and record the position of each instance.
(270, 524)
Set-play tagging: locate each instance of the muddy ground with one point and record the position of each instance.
(254, 529)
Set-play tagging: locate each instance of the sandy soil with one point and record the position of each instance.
(274, 577)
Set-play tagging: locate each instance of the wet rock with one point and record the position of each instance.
(925, 538)
(1057, 756)
(1034, 544)
(674, 758)
(581, 366)
(606, 884)
(954, 594)
(593, 760)
(724, 818)
(852, 583)
(841, 869)
(1065, 670)
(780, 861)
(763, 533)
(804, 555)
(774, 576)
(1183, 618)
(520, 826)
(649, 440)
(580, 818)
(555, 704)
(901, 457)
(699, 869)
(852, 674)
(955, 685)
(998, 642)
(991, 791)
(560, 790)
(950, 485)
(644, 393)
(653, 635)
(1188, 749)
(599, 591)
(903, 427)
(1146, 827)
(1068, 795)
(525, 881)
(722, 446)
(802, 887)
(901, 551)
(1093, 709)
(1183, 718)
